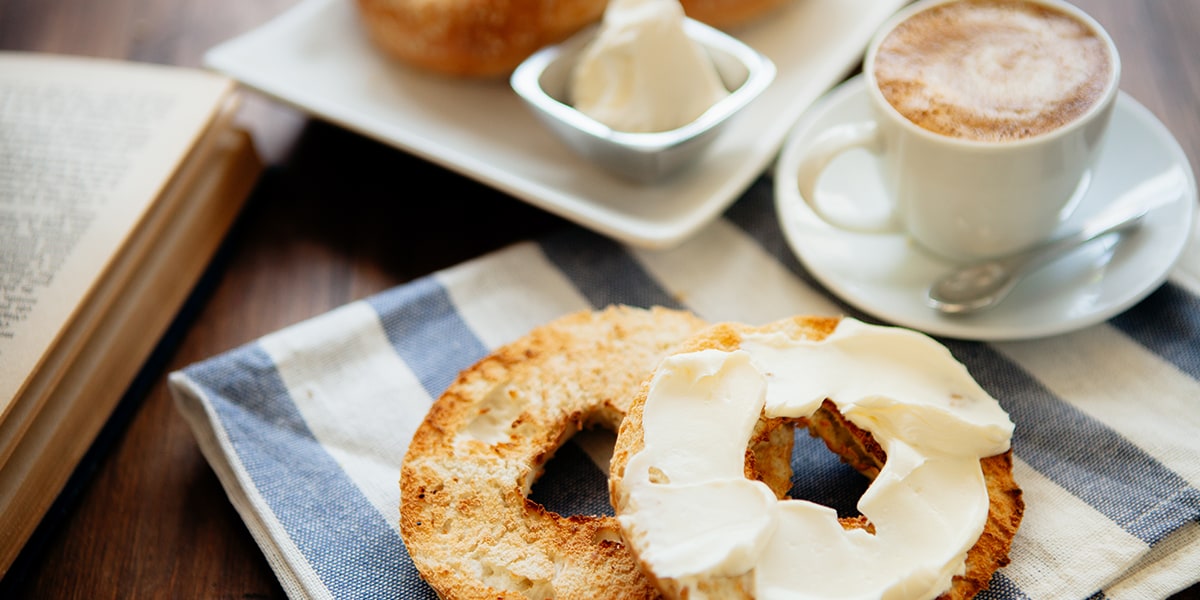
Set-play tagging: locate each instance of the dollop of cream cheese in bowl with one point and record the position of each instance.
(642, 73)
(693, 514)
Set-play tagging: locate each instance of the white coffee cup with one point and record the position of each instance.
(964, 198)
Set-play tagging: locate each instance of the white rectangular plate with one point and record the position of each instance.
(317, 57)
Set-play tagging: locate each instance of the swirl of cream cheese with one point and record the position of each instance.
(642, 73)
(692, 514)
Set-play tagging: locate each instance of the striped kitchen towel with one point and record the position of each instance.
(306, 427)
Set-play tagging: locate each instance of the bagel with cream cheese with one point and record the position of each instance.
(465, 512)
(489, 38)
(937, 520)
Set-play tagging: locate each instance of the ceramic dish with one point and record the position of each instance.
(542, 80)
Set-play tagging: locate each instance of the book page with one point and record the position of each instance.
(184, 239)
(86, 148)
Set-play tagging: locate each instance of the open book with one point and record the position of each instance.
(118, 181)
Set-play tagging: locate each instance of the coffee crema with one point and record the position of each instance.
(993, 70)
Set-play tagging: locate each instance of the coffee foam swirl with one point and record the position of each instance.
(991, 70)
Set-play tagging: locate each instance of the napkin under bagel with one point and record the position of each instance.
(854, 445)
(489, 38)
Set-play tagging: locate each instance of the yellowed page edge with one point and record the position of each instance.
(60, 358)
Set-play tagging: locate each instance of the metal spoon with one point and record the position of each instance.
(982, 285)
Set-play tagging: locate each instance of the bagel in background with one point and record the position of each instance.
(489, 38)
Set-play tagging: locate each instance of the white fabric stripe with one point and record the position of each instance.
(1171, 566)
(359, 399)
(493, 297)
(1064, 548)
(505, 294)
(724, 275)
(1130, 389)
(295, 574)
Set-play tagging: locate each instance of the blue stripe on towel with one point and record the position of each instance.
(818, 475)
(603, 271)
(1001, 588)
(572, 485)
(1168, 323)
(427, 331)
(1081, 454)
(345, 540)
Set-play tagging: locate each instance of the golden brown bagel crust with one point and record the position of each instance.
(855, 446)
(489, 38)
(728, 14)
(465, 515)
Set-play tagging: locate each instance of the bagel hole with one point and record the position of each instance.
(573, 482)
(820, 476)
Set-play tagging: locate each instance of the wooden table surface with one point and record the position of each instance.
(148, 517)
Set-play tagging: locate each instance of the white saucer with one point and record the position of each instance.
(886, 275)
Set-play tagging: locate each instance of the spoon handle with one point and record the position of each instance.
(983, 284)
(1098, 226)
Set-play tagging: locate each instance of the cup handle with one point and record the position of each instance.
(828, 145)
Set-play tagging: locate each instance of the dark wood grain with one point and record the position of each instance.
(148, 518)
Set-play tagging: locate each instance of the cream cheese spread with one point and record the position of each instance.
(642, 73)
(692, 514)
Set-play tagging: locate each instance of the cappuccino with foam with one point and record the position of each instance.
(993, 70)
(986, 118)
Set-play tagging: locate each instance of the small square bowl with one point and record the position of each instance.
(542, 80)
